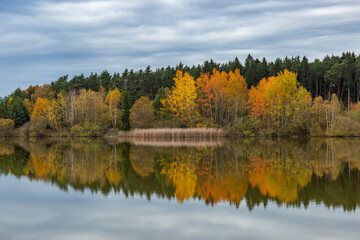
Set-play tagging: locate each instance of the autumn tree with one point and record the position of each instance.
(222, 96)
(44, 109)
(281, 101)
(59, 109)
(181, 100)
(318, 111)
(6, 126)
(90, 107)
(142, 114)
(257, 102)
(212, 95)
(236, 94)
(28, 105)
(44, 91)
(113, 99)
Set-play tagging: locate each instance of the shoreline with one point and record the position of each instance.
(172, 134)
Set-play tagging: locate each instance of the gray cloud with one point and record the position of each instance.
(43, 40)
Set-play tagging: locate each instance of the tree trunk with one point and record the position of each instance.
(342, 94)
(320, 89)
(348, 98)
(358, 91)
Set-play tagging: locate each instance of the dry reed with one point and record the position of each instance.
(175, 134)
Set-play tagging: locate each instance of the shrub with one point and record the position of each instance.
(86, 130)
(37, 126)
(6, 126)
(23, 131)
(344, 126)
(112, 132)
(246, 126)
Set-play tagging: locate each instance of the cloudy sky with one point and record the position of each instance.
(41, 40)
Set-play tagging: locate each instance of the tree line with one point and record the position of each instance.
(248, 97)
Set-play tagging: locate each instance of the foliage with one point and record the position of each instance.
(6, 126)
(113, 99)
(87, 129)
(44, 109)
(246, 126)
(157, 105)
(45, 92)
(90, 107)
(222, 96)
(125, 112)
(18, 112)
(38, 126)
(280, 103)
(255, 172)
(142, 114)
(3, 110)
(181, 101)
(278, 99)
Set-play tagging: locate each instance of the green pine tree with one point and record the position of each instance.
(125, 109)
(157, 105)
(18, 112)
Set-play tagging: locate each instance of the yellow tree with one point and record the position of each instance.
(142, 113)
(59, 109)
(181, 101)
(113, 99)
(280, 92)
(90, 107)
(236, 93)
(28, 105)
(86, 106)
(317, 113)
(43, 108)
(301, 106)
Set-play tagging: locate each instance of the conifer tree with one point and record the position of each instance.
(125, 109)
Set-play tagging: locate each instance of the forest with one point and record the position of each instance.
(286, 97)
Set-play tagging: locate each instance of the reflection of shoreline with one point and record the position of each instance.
(172, 143)
(290, 173)
(174, 137)
(175, 133)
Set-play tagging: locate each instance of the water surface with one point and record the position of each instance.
(250, 189)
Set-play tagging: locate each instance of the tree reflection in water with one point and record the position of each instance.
(291, 173)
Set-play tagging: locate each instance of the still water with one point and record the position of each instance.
(250, 189)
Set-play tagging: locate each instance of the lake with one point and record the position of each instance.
(246, 189)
